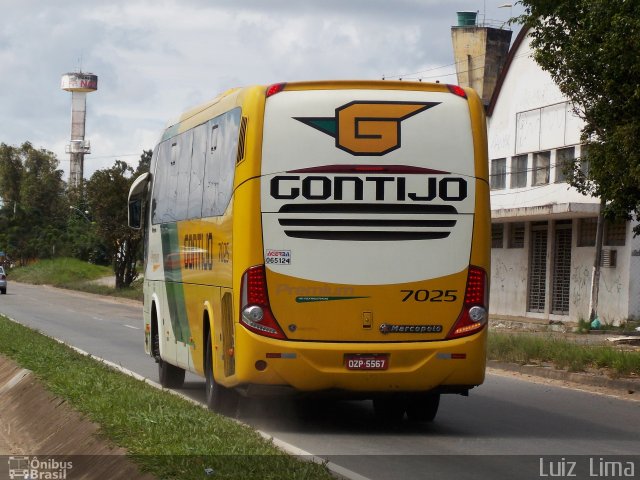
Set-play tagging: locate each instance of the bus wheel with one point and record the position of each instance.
(219, 399)
(389, 408)
(170, 376)
(423, 407)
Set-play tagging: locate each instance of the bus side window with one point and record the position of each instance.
(184, 175)
(220, 163)
(172, 181)
(211, 171)
(160, 188)
(196, 182)
(227, 159)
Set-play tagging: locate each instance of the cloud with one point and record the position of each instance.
(156, 58)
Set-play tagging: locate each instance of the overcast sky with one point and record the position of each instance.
(156, 58)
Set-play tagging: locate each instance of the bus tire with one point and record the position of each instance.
(170, 375)
(423, 407)
(389, 408)
(219, 399)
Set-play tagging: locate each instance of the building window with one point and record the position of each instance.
(498, 173)
(615, 233)
(565, 158)
(584, 161)
(587, 232)
(519, 171)
(516, 235)
(541, 165)
(497, 235)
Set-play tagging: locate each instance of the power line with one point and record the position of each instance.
(116, 156)
(409, 76)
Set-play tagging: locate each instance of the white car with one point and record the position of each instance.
(3, 281)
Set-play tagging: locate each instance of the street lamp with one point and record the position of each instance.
(510, 7)
(84, 214)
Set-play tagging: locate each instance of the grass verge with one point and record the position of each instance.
(166, 435)
(564, 354)
(73, 274)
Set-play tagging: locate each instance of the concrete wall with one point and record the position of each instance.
(509, 276)
(634, 275)
(619, 296)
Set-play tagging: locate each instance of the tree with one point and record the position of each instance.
(107, 192)
(145, 163)
(11, 170)
(590, 49)
(34, 212)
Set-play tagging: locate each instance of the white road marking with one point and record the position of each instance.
(130, 326)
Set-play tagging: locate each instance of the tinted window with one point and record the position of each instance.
(184, 174)
(161, 205)
(220, 163)
(196, 181)
(195, 171)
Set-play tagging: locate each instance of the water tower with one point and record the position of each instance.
(79, 84)
(480, 51)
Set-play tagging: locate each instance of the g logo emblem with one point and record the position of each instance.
(367, 128)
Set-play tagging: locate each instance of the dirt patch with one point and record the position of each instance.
(628, 389)
(34, 422)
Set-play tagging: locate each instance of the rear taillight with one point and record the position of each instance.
(3, 277)
(255, 313)
(457, 90)
(474, 313)
(275, 88)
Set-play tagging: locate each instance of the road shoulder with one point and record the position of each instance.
(622, 388)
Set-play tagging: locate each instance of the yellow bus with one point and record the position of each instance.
(321, 237)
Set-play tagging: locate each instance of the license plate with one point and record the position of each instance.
(366, 362)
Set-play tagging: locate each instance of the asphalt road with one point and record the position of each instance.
(507, 428)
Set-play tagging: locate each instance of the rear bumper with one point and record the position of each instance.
(450, 365)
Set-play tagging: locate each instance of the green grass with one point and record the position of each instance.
(166, 435)
(564, 354)
(73, 274)
(59, 271)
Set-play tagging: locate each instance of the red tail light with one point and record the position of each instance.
(275, 88)
(255, 312)
(3, 277)
(474, 313)
(457, 90)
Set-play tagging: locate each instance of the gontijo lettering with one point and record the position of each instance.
(380, 188)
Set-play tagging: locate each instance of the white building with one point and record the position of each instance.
(543, 231)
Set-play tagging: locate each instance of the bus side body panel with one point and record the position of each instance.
(188, 262)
